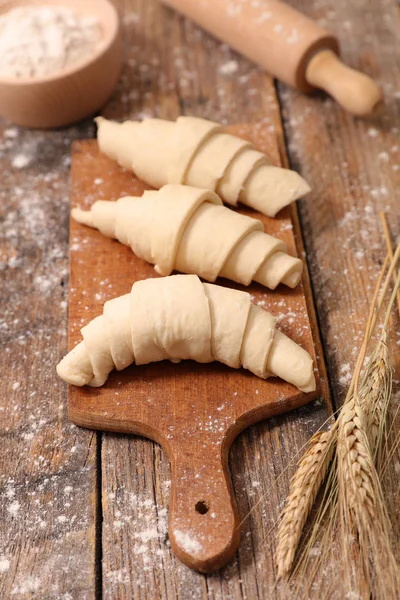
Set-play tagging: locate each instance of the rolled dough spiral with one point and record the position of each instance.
(179, 317)
(187, 229)
(199, 153)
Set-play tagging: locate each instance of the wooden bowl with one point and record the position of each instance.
(74, 93)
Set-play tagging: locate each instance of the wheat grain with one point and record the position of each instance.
(354, 456)
(362, 508)
(353, 508)
(374, 396)
(304, 488)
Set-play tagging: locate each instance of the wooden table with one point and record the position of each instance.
(83, 515)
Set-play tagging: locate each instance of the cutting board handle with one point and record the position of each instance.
(203, 520)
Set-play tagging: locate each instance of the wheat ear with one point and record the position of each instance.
(304, 488)
(362, 507)
(374, 395)
(354, 458)
(311, 471)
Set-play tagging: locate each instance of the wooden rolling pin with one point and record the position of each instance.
(287, 44)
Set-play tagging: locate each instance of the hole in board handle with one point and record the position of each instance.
(202, 507)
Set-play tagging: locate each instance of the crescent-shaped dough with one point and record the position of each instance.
(196, 152)
(164, 325)
(179, 317)
(187, 229)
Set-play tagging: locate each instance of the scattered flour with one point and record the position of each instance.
(265, 16)
(372, 132)
(233, 9)
(20, 161)
(117, 577)
(13, 508)
(294, 37)
(131, 18)
(188, 543)
(30, 584)
(11, 133)
(4, 564)
(229, 68)
(10, 491)
(383, 156)
(345, 374)
(61, 519)
(147, 535)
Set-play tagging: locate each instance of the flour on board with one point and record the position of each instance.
(189, 544)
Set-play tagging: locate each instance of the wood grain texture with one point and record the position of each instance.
(194, 411)
(47, 465)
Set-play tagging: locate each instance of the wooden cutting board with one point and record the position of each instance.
(194, 411)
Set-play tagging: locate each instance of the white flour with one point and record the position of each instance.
(40, 40)
(188, 543)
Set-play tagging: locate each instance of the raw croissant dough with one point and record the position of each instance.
(179, 317)
(199, 153)
(187, 229)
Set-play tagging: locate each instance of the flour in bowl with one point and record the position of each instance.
(36, 41)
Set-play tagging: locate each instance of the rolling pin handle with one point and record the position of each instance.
(353, 90)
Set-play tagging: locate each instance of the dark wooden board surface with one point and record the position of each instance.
(194, 411)
(173, 68)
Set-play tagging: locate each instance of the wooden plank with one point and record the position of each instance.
(47, 465)
(173, 67)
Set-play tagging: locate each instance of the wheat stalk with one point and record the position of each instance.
(305, 485)
(353, 489)
(362, 508)
(375, 392)
(311, 471)
(361, 503)
(391, 254)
